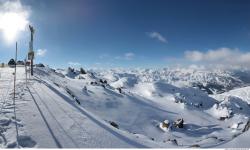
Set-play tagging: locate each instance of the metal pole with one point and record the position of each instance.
(29, 72)
(14, 100)
(31, 67)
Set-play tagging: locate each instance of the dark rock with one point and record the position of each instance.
(78, 102)
(19, 62)
(179, 123)
(120, 90)
(82, 71)
(85, 88)
(223, 118)
(93, 83)
(114, 124)
(247, 126)
(195, 145)
(174, 141)
(80, 77)
(40, 65)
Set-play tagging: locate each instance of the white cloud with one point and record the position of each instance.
(103, 56)
(41, 52)
(158, 36)
(14, 18)
(126, 56)
(74, 63)
(129, 56)
(222, 56)
(194, 55)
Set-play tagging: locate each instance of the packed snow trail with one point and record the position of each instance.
(8, 124)
(5, 87)
(64, 124)
(45, 121)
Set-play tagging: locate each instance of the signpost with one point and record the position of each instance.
(31, 53)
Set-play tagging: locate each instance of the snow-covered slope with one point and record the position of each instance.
(143, 104)
(133, 108)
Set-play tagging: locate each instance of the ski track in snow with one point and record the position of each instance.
(100, 124)
(84, 133)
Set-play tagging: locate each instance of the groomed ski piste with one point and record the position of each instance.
(124, 109)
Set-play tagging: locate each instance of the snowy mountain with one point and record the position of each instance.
(210, 81)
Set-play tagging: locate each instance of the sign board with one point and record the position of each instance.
(31, 55)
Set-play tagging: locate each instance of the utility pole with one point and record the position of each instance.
(31, 52)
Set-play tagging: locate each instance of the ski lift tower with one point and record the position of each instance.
(31, 52)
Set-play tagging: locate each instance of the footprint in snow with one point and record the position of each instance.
(4, 121)
(26, 141)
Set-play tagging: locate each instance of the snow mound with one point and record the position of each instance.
(124, 82)
(236, 100)
(220, 112)
(189, 96)
(241, 93)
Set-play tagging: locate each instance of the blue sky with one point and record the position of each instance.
(134, 33)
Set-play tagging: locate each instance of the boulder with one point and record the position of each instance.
(165, 125)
